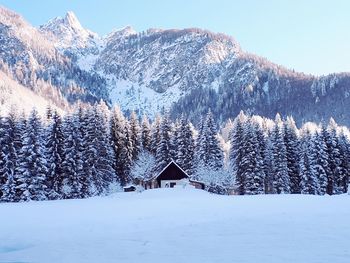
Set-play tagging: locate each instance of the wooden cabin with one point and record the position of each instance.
(171, 175)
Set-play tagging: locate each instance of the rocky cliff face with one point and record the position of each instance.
(182, 71)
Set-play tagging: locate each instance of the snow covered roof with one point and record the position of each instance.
(172, 161)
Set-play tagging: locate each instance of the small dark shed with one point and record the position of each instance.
(130, 188)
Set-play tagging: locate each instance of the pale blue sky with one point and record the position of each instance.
(307, 35)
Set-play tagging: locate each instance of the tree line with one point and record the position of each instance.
(279, 158)
(94, 151)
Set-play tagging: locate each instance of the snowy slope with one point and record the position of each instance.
(164, 63)
(178, 225)
(14, 95)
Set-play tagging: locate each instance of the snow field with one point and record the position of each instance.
(177, 225)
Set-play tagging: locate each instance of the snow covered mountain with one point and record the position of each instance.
(32, 59)
(183, 71)
(68, 33)
(153, 69)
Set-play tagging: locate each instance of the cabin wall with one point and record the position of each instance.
(164, 183)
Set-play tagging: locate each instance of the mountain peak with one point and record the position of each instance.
(72, 20)
(69, 21)
(68, 32)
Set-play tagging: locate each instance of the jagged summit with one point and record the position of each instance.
(67, 32)
(73, 21)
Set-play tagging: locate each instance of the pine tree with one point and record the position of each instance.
(99, 153)
(263, 151)
(122, 146)
(54, 156)
(185, 146)
(32, 171)
(268, 164)
(319, 161)
(188, 163)
(106, 157)
(163, 154)
(134, 135)
(125, 158)
(8, 157)
(344, 147)
(21, 124)
(292, 154)
(326, 135)
(145, 134)
(117, 125)
(69, 184)
(155, 135)
(252, 162)
(236, 153)
(3, 154)
(280, 168)
(309, 182)
(335, 158)
(260, 165)
(80, 119)
(209, 152)
(198, 145)
(174, 145)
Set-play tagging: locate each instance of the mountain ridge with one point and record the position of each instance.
(183, 71)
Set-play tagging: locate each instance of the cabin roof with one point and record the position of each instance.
(171, 162)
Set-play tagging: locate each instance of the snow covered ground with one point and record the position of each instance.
(178, 225)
